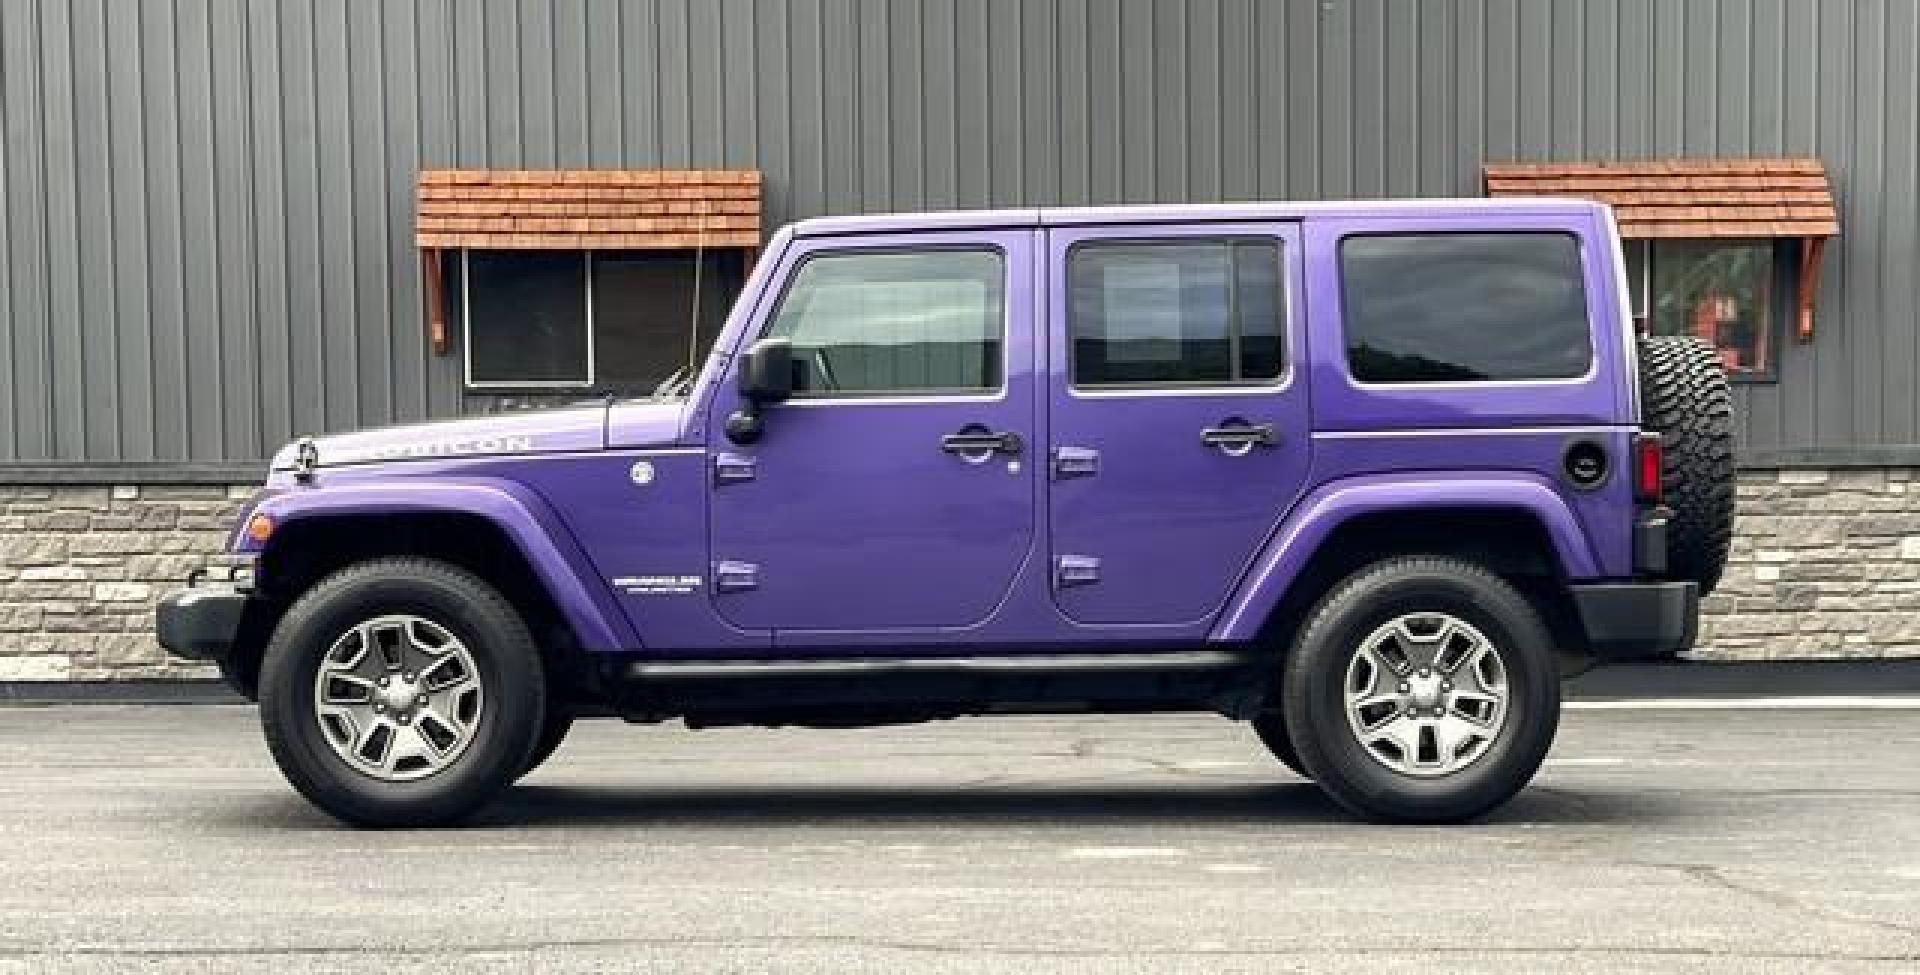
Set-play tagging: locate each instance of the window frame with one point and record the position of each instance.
(1784, 293)
(1586, 302)
(1284, 322)
(1639, 311)
(949, 394)
(510, 385)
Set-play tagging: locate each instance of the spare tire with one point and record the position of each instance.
(1684, 398)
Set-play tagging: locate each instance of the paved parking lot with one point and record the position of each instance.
(1699, 840)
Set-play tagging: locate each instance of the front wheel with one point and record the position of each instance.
(1422, 690)
(401, 692)
(553, 733)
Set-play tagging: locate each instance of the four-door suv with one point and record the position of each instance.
(1372, 476)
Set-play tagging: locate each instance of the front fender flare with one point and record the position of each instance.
(1286, 554)
(526, 519)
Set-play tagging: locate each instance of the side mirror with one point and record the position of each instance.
(766, 377)
(766, 372)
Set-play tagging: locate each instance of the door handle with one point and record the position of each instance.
(1235, 437)
(976, 443)
(1242, 435)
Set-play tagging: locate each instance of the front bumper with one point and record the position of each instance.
(204, 620)
(1636, 620)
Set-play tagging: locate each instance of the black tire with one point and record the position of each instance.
(553, 732)
(507, 664)
(1685, 398)
(1271, 728)
(1313, 701)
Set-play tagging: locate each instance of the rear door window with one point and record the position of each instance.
(1173, 313)
(1464, 307)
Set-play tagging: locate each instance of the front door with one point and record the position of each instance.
(1178, 413)
(894, 491)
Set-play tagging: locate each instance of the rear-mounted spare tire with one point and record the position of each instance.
(1685, 399)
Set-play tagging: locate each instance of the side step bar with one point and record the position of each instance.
(1013, 665)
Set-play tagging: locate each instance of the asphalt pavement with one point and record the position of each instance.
(1717, 839)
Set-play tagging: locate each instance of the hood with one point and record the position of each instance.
(579, 428)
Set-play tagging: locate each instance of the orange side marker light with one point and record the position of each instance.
(259, 528)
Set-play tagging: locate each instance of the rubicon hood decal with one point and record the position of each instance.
(447, 447)
(533, 432)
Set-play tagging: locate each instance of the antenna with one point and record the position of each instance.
(693, 317)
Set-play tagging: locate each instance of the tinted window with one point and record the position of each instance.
(646, 321)
(1456, 307)
(1185, 312)
(526, 317)
(900, 321)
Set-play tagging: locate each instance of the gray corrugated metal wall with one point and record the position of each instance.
(207, 203)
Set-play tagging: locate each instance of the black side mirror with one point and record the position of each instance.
(766, 372)
(766, 377)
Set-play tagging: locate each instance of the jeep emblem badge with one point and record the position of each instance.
(641, 472)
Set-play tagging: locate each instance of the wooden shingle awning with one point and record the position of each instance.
(1692, 198)
(588, 209)
(577, 209)
(1698, 199)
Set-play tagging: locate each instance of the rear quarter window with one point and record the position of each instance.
(1464, 307)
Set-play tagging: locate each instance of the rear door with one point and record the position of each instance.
(1179, 433)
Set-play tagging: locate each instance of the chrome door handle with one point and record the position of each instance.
(975, 441)
(1244, 436)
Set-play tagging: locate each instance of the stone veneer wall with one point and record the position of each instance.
(1827, 563)
(81, 566)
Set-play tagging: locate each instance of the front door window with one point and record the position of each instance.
(895, 323)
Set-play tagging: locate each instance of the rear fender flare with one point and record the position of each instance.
(525, 518)
(1288, 553)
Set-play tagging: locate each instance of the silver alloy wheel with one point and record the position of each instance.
(1426, 694)
(398, 697)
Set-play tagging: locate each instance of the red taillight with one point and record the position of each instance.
(1646, 468)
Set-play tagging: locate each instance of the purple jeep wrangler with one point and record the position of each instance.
(1372, 476)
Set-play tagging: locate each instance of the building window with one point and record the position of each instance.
(895, 322)
(614, 321)
(1464, 307)
(1175, 312)
(1729, 293)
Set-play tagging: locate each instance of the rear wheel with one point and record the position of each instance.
(1423, 689)
(401, 692)
(1271, 728)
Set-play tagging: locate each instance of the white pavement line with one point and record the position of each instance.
(1746, 703)
(1124, 852)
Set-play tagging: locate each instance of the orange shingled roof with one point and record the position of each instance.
(1688, 197)
(587, 209)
